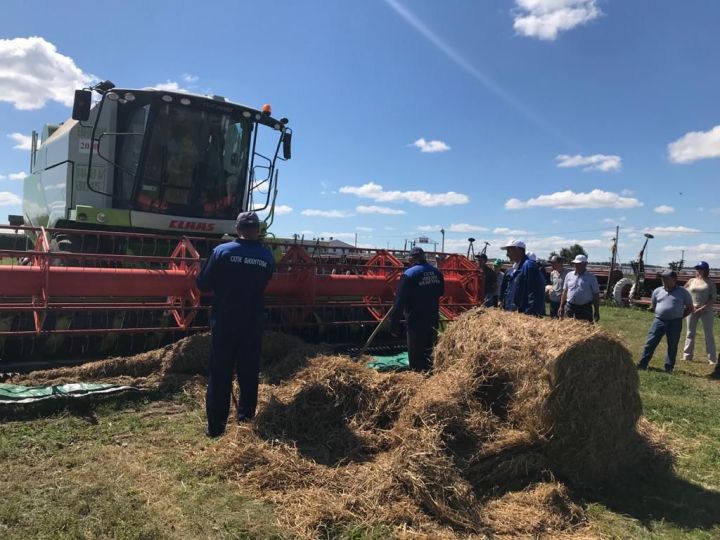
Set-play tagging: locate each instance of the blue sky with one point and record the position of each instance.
(549, 120)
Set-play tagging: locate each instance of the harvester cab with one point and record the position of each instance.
(153, 160)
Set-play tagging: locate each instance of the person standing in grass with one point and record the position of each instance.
(500, 275)
(524, 288)
(581, 293)
(557, 279)
(491, 291)
(418, 300)
(237, 274)
(704, 295)
(671, 304)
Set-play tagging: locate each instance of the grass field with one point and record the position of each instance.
(143, 469)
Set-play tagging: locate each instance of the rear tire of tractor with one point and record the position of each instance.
(622, 292)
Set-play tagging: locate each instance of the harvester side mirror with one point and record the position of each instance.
(287, 145)
(81, 105)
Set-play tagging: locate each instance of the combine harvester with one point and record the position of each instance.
(125, 200)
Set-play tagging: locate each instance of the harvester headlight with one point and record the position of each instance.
(185, 101)
(112, 96)
(82, 216)
(247, 114)
(167, 99)
(101, 217)
(129, 96)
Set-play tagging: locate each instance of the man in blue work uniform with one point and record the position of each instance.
(237, 273)
(671, 304)
(524, 285)
(418, 299)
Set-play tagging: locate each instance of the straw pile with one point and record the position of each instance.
(474, 450)
(169, 367)
(471, 451)
(569, 385)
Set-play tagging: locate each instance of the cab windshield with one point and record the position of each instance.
(185, 160)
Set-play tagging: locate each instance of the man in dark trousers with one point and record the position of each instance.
(491, 292)
(237, 273)
(524, 285)
(418, 299)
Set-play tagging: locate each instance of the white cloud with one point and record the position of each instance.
(509, 232)
(596, 162)
(326, 213)
(189, 78)
(376, 192)
(22, 142)
(429, 228)
(9, 199)
(695, 145)
(32, 73)
(466, 228)
(379, 210)
(431, 147)
(669, 231)
(569, 200)
(364, 229)
(168, 86)
(715, 210)
(613, 221)
(282, 209)
(13, 176)
(627, 192)
(664, 209)
(545, 19)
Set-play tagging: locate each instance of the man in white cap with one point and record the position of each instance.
(524, 286)
(581, 293)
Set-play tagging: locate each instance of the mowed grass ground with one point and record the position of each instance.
(143, 469)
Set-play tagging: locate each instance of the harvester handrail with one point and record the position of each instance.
(120, 234)
(94, 256)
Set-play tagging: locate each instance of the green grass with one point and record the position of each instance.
(140, 469)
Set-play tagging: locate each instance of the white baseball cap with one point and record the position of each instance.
(532, 256)
(579, 259)
(515, 243)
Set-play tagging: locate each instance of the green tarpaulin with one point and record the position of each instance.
(13, 393)
(399, 362)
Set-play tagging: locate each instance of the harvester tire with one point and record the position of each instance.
(623, 291)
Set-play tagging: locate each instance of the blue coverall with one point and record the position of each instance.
(418, 299)
(237, 273)
(524, 289)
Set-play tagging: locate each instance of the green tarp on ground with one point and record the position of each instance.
(399, 362)
(14, 393)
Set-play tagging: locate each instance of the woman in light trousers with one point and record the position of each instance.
(704, 294)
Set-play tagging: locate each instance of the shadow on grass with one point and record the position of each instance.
(666, 498)
(653, 492)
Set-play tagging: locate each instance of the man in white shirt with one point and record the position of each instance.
(581, 293)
